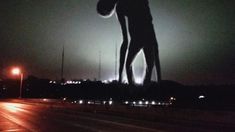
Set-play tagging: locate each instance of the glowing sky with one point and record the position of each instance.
(196, 39)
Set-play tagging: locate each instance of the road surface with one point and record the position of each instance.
(23, 116)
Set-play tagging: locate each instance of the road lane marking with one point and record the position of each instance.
(107, 122)
(79, 125)
(122, 124)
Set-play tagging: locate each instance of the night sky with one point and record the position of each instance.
(196, 39)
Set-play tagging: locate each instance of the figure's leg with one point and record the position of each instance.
(122, 60)
(157, 62)
(132, 52)
(153, 41)
(149, 58)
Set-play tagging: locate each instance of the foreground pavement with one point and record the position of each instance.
(39, 116)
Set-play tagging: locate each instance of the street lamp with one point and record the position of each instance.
(17, 71)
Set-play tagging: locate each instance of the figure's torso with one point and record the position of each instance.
(139, 18)
(135, 10)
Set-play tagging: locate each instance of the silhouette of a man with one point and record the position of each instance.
(134, 14)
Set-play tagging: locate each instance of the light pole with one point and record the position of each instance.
(17, 71)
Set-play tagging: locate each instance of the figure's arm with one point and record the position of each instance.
(122, 21)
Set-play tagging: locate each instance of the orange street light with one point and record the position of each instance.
(17, 71)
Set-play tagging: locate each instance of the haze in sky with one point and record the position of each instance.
(196, 39)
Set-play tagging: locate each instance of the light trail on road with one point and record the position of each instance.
(33, 116)
(29, 117)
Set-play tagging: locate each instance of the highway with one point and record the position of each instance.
(23, 116)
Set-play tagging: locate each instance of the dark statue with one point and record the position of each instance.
(135, 19)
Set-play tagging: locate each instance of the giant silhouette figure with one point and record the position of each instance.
(136, 20)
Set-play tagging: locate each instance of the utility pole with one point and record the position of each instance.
(99, 72)
(115, 72)
(62, 66)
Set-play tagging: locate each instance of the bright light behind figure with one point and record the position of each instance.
(138, 80)
(16, 71)
(105, 81)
